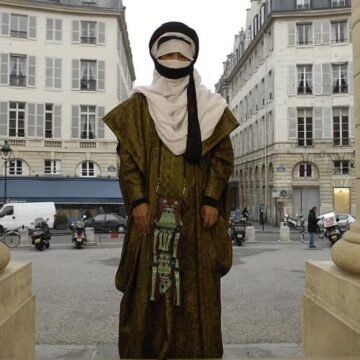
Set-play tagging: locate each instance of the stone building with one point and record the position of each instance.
(289, 82)
(63, 65)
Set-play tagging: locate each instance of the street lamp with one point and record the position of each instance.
(5, 155)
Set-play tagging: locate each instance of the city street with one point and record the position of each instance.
(77, 303)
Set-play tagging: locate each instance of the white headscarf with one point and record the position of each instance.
(167, 102)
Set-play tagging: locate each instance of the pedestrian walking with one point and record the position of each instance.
(175, 161)
(312, 227)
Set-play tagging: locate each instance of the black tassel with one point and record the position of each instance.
(193, 143)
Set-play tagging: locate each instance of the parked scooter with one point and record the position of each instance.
(79, 236)
(237, 230)
(295, 224)
(40, 235)
(331, 228)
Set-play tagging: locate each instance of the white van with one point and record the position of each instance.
(15, 215)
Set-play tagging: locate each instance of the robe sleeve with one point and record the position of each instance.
(125, 121)
(220, 169)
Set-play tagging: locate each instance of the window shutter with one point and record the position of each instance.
(58, 74)
(350, 29)
(31, 108)
(326, 32)
(40, 118)
(351, 123)
(32, 27)
(4, 24)
(49, 29)
(118, 82)
(292, 80)
(317, 33)
(292, 112)
(49, 71)
(4, 118)
(318, 122)
(58, 30)
(101, 75)
(4, 69)
(76, 31)
(100, 122)
(326, 79)
(57, 121)
(31, 71)
(101, 33)
(291, 34)
(351, 77)
(317, 79)
(327, 123)
(76, 74)
(75, 121)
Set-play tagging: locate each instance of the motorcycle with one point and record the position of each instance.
(237, 230)
(331, 228)
(40, 235)
(79, 236)
(295, 224)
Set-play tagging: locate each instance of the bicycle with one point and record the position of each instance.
(11, 238)
(320, 235)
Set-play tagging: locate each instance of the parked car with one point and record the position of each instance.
(107, 222)
(344, 220)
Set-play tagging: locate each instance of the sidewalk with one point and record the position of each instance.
(110, 352)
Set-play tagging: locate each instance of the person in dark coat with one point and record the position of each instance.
(312, 227)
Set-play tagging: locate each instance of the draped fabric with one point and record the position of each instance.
(160, 329)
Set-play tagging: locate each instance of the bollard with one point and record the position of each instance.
(284, 233)
(90, 236)
(250, 234)
(24, 238)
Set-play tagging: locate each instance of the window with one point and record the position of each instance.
(49, 116)
(15, 167)
(6, 211)
(87, 168)
(340, 81)
(87, 122)
(303, 4)
(305, 170)
(53, 29)
(305, 127)
(53, 73)
(52, 167)
(341, 167)
(88, 75)
(17, 119)
(304, 34)
(337, 3)
(89, 2)
(18, 27)
(88, 32)
(17, 70)
(338, 31)
(341, 126)
(304, 78)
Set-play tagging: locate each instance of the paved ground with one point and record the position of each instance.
(77, 303)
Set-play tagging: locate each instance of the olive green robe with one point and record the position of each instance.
(159, 329)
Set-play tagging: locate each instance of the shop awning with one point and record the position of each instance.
(62, 190)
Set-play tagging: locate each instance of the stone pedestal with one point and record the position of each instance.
(284, 233)
(90, 236)
(331, 312)
(17, 312)
(24, 238)
(250, 234)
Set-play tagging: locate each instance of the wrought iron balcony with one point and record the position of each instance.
(17, 80)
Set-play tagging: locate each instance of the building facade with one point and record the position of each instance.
(289, 82)
(63, 65)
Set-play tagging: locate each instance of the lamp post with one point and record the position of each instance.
(5, 155)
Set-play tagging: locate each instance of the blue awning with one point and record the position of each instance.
(62, 190)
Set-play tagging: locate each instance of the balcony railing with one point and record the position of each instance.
(18, 34)
(17, 80)
(53, 144)
(88, 39)
(89, 85)
(87, 144)
(15, 142)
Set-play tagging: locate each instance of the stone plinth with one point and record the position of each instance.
(331, 312)
(250, 234)
(284, 233)
(90, 236)
(17, 312)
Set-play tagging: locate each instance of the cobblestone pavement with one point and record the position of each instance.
(77, 303)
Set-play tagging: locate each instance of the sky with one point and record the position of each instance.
(216, 23)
